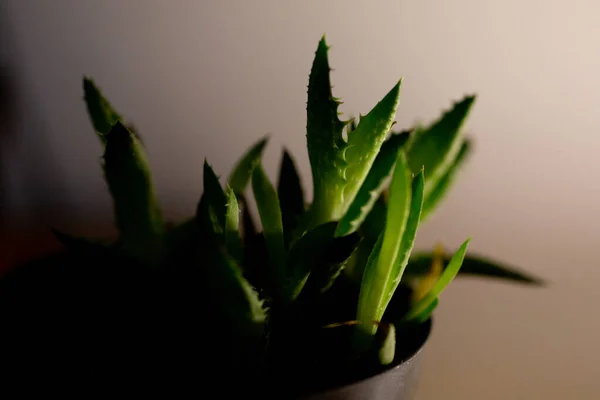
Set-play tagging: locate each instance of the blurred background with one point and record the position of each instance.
(208, 78)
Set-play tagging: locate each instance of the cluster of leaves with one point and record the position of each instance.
(326, 285)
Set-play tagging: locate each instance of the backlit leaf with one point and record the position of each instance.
(435, 147)
(232, 226)
(339, 168)
(474, 265)
(373, 185)
(379, 275)
(448, 275)
(240, 176)
(100, 111)
(138, 215)
(442, 186)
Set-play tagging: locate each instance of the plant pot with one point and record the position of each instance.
(398, 382)
(107, 324)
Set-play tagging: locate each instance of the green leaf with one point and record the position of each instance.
(387, 351)
(379, 274)
(138, 215)
(215, 199)
(240, 301)
(476, 266)
(436, 147)
(324, 135)
(426, 313)
(367, 301)
(364, 143)
(291, 196)
(305, 253)
(232, 226)
(270, 216)
(419, 309)
(100, 111)
(373, 185)
(442, 187)
(423, 284)
(408, 238)
(339, 168)
(240, 176)
(334, 261)
(375, 221)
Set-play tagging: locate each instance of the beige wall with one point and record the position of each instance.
(207, 78)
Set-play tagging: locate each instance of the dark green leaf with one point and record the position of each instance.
(373, 185)
(232, 226)
(215, 199)
(476, 266)
(240, 176)
(305, 254)
(291, 196)
(436, 147)
(240, 301)
(419, 309)
(334, 261)
(101, 113)
(138, 215)
(270, 216)
(327, 267)
(441, 188)
(375, 220)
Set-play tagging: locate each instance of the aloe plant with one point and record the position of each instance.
(313, 291)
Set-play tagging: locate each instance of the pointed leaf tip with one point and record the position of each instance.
(101, 113)
(438, 145)
(423, 306)
(323, 41)
(240, 176)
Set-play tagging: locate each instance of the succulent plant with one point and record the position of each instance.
(329, 288)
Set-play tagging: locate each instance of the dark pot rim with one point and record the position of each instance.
(424, 332)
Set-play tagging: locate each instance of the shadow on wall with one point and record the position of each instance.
(30, 179)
